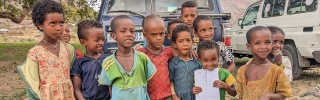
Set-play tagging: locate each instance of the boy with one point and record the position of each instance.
(86, 71)
(182, 66)
(260, 79)
(208, 52)
(154, 32)
(127, 71)
(189, 12)
(171, 25)
(203, 27)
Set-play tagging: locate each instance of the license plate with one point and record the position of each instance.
(139, 38)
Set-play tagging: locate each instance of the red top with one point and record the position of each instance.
(159, 86)
(78, 54)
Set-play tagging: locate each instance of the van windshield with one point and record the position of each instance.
(139, 6)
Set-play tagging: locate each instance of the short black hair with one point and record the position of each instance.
(275, 29)
(254, 29)
(153, 17)
(189, 4)
(84, 25)
(44, 7)
(206, 45)
(198, 19)
(181, 28)
(173, 21)
(114, 21)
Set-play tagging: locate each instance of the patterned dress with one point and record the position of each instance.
(274, 81)
(159, 85)
(54, 71)
(182, 76)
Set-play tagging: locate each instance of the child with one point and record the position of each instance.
(261, 79)
(154, 32)
(46, 71)
(65, 37)
(127, 71)
(208, 52)
(203, 27)
(182, 66)
(189, 12)
(171, 25)
(86, 71)
(275, 56)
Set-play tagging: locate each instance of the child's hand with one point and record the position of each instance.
(175, 97)
(194, 54)
(264, 97)
(196, 90)
(137, 46)
(277, 55)
(220, 84)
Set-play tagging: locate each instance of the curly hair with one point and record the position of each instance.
(114, 21)
(189, 4)
(180, 28)
(84, 25)
(174, 21)
(198, 19)
(207, 45)
(253, 30)
(44, 7)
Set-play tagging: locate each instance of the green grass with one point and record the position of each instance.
(18, 51)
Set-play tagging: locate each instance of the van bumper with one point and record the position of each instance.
(316, 55)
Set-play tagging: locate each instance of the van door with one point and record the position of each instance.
(249, 21)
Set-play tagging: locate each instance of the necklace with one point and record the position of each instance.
(54, 46)
(124, 55)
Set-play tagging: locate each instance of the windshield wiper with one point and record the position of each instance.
(127, 11)
(177, 9)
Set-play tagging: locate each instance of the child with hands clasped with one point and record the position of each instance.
(260, 79)
(46, 71)
(208, 52)
(127, 71)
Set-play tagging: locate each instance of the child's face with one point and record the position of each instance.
(154, 32)
(94, 40)
(172, 26)
(183, 43)
(278, 41)
(261, 43)
(52, 26)
(124, 33)
(65, 36)
(205, 30)
(188, 14)
(209, 59)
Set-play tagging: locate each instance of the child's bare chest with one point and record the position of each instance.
(254, 73)
(126, 63)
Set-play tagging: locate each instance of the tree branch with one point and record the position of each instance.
(13, 17)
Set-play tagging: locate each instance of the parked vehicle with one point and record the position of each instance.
(300, 21)
(167, 9)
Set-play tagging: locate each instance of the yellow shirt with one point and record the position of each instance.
(274, 81)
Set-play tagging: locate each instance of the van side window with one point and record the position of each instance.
(272, 8)
(302, 6)
(251, 16)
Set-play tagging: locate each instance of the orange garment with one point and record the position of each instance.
(275, 81)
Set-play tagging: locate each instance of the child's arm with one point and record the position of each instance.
(196, 90)
(275, 96)
(110, 91)
(230, 89)
(76, 81)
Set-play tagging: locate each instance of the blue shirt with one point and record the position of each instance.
(89, 69)
(182, 76)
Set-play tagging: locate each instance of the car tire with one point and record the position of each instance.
(292, 53)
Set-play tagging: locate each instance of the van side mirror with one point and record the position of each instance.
(240, 23)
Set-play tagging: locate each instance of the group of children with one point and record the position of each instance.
(155, 71)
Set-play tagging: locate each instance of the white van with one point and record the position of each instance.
(299, 19)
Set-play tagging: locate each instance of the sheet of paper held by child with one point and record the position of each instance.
(204, 79)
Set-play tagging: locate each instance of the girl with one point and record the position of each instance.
(46, 71)
(65, 37)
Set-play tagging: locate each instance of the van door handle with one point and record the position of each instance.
(240, 32)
